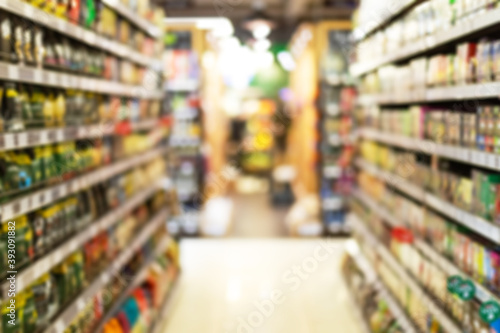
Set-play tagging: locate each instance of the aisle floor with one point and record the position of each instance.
(249, 286)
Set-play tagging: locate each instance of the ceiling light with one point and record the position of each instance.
(262, 45)
(261, 31)
(259, 23)
(286, 61)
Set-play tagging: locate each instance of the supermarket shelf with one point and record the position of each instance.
(43, 197)
(482, 293)
(133, 17)
(447, 323)
(39, 137)
(464, 155)
(439, 94)
(31, 75)
(365, 328)
(29, 275)
(136, 281)
(383, 18)
(372, 277)
(464, 28)
(477, 224)
(167, 306)
(72, 310)
(29, 12)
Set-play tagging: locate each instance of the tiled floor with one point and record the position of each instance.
(249, 286)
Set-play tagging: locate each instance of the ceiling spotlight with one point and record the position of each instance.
(286, 61)
(261, 31)
(259, 24)
(262, 45)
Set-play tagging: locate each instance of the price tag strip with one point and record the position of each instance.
(34, 76)
(33, 138)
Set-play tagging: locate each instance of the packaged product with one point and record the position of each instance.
(70, 211)
(482, 127)
(25, 172)
(30, 315)
(6, 34)
(490, 128)
(76, 262)
(84, 211)
(485, 61)
(496, 129)
(48, 109)
(17, 39)
(24, 241)
(73, 11)
(466, 53)
(27, 46)
(46, 298)
(49, 168)
(60, 108)
(46, 218)
(27, 113)
(38, 46)
(12, 109)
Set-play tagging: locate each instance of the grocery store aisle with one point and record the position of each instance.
(261, 286)
(254, 216)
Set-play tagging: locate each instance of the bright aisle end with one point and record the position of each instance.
(246, 286)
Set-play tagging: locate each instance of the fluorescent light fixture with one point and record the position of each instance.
(286, 61)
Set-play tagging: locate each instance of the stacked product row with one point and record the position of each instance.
(103, 18)
(471, 189)
(423, 20)
(183, 73)
(375, 309)
(472, 62)
(81, 164)
(24, 107)
(39, 233)
(336, 147)
(427, 197)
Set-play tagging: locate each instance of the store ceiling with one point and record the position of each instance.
(286, 11)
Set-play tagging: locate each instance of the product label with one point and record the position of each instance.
(489, 311)
(453, 283)
(466, 290)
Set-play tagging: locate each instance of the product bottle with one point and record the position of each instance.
(6, 37)
(12, 109)
(48, 110)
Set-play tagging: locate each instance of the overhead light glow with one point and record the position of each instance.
(286, 61)
(262, 45)
(261, 31)
(264, 60)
